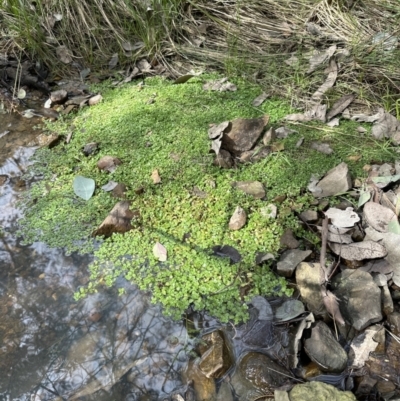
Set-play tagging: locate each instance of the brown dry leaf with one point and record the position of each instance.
(320, 57)
(64, 54)
(259, 100)
(216, 131)
(221, 85)
(277, 147)
(378, 216)
(160, 252)
(117, 221)
(354, 158)
(182, 79)
(317, 112)
(238, 219)
(113, 61)
(108, 163)
(332, 306)
(340, 105)
(387, 126)
(297, 117)
(359, 250)
(329, 82)
(156, 177)
(322, 147)
(143, 65)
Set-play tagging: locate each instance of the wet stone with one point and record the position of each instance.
(262, 371)
(261, 334)
(319, 391)
(288, 240)
(204, 387)
(324, 350)
(351, 287)
(289, 260)
(216, 355)
(225, 392)
(336, 181)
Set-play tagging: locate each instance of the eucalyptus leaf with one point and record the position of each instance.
(387, 179)
(393, 227)
(365, 196)
(84, 187)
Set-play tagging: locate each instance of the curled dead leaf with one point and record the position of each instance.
(155, 176)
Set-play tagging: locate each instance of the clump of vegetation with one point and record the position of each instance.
(169, 134)
(249, 38)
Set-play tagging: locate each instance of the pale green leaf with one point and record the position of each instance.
(84, 187)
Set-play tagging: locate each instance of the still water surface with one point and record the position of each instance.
(105, 347)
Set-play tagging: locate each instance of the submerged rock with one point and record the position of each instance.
(319, 392)
(351, 287)
(204, 387)
(216, 355)
(324, 350)
(262, 372)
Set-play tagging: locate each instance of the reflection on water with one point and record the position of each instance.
(105, 347)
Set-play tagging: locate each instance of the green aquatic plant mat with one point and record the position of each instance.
(161, 126)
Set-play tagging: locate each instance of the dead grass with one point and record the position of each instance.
(246, 37)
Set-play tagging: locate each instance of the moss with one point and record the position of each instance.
(170, 135)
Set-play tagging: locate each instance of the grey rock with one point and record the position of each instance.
(225, 392)
(59, 96)
(336, 181)
(324, 350)
(262, 371)
(242, 134)
(394, 323)
(351, 287)
(289, 260)
(264, 308)
(319, 392)
(223, 159)
(254, 188)
(308, 283)
(309, 216)
(288, 240)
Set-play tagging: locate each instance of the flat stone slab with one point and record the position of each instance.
(324, 350)
(359, 298)
(242, 134)
(289, 260)
(336, 181)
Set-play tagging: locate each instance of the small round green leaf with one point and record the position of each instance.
(84, 187)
